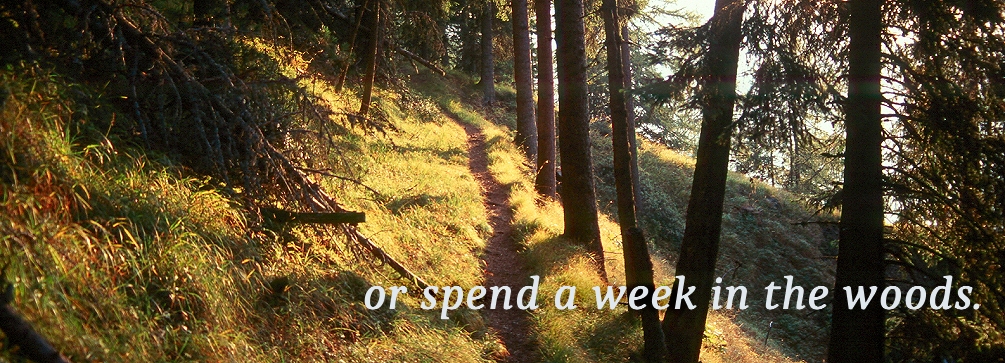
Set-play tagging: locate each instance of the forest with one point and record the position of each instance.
(243, 180)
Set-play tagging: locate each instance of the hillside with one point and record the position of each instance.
(119, 255)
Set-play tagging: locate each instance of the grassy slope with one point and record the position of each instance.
(760, 244)
(762, 241)
(120, 258)
(117, 257)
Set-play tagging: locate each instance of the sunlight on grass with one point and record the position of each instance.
(119, 259)
(587, 334)
(114, 258)
(118, 256)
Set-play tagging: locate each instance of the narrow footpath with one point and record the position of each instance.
(502, 261)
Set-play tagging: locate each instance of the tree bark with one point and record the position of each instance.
(578, 190)
(371, 54)
(638, 266)
(526, 130)
(857, 335)
(469, 57)
(545, 181)
(626, 62)
(488, 73)
(210, 13)
(700, 246)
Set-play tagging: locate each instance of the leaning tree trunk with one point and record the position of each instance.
(545, 181)
(371, 53)
(638, 266)
(488, 73)
(857, 334)
(700, 246)
(526, 131)
(578, 192)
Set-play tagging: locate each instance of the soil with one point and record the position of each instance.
(503, 266)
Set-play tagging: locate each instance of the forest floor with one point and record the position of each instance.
(503, 265)
(175, 271)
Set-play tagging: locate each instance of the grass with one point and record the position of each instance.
(117, 255)
(113, 257)
(760, 244)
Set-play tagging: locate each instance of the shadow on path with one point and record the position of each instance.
(503, 266)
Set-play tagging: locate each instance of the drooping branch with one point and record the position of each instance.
(397, 49)
(221, 108)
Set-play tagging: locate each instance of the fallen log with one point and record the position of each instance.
(30, 344)
(422, 61)
(282, 216)
(390, 261)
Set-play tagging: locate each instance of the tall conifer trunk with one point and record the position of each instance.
(857, 334)
(638, 266)
(578, 192)
(488, 63)
(371, 56)
(626, 62)
(684, 328)
(526, 131)
(546, 158)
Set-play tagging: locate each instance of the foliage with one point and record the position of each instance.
(118, 256)
(945, 149)
(141, 136)
(115, 257)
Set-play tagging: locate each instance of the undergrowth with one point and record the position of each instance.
(119, 255)
(756, 215)
(115, 257)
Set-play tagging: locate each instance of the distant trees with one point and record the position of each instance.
(526, 130)
(488, 62)
(941, 163)
(467, 16)
(700, 247)
(942, 146)
(578, 192)
(545, 182)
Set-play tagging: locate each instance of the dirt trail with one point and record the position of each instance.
(503, 264)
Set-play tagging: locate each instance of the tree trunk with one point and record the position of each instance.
(202, 13)
(545, 181)
(488, 73)
(638, 266)
(626, 62)
(340, 82)
(210, 13)
(684, 328)
(857, 334)
(371, 54)
(469, 41)
(578, 191)
(526, 130)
